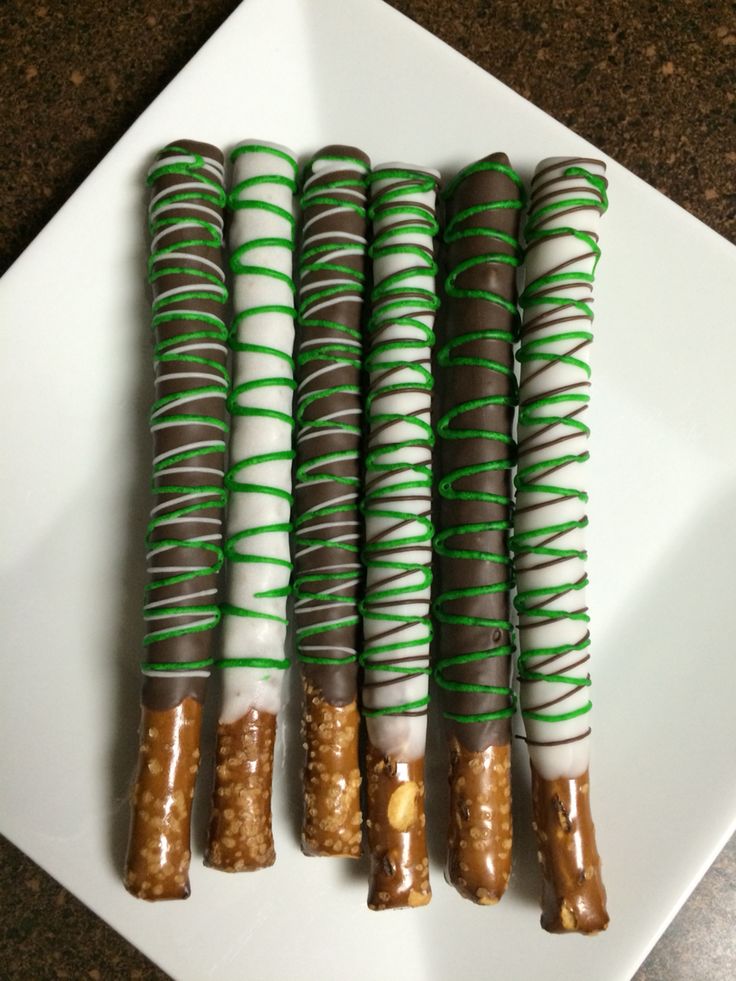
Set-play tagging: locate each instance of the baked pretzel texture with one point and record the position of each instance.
(184, 538)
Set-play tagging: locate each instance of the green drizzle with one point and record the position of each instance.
(556, 416)
(451, 427)
(330, 347)
(399, 303)
(185, 220)
(238, 548)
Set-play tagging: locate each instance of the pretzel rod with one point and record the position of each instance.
(398, 550)
(562, 252)
(477, 394)
(184, 537)
(328, 536)
(259, 515)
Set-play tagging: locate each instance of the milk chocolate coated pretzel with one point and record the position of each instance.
(477, 395)
(184, 538)
(328, 526)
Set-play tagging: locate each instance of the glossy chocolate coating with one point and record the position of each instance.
(184, 272)
(457, 384)
(329, 400)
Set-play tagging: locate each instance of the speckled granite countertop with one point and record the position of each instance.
(651, 83)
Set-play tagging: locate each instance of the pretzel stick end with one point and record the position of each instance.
(332, 818)
(573, 894)
(399, 875)
(240, 836)
(479, 835)
(157, 863)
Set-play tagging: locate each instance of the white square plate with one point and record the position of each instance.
(76, 384)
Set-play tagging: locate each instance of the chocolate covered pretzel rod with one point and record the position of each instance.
(398, 550)
(259, 515)
(477, 394)
(568, 199)
(328, 526)
(184, 537)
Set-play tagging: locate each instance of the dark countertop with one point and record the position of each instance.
(651, 83)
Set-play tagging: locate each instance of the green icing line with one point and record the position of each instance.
(177, 666)
(253, 662)
(541, 413)
(236, 549)
(401, 709)
(331, 354)
(399, 303)
(450, 427)
(175, 329)
(275, 151)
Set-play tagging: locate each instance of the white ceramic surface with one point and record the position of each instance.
(76, 384)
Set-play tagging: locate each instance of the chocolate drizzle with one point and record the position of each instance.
(398, 512)
(184, 535)
(568, 197)
(188, 420)
(328, 529)
(477, 395)
(399, 457)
